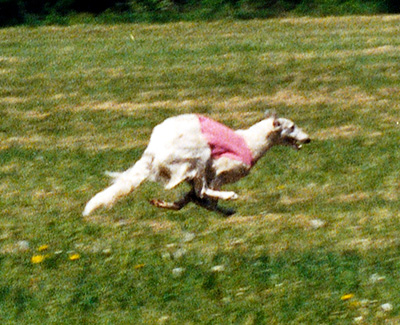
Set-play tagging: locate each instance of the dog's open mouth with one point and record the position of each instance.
(296, 144)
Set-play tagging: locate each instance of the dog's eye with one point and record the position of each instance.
(292, 128)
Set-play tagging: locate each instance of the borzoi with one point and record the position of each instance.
(204, 153)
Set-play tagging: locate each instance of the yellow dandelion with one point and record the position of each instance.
(347, 296)
(43, 248)
(139, 266)
(36, 259)
(74, 257)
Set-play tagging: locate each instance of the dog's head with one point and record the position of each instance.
(289, 134)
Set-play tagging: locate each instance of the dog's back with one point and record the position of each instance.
(177, 138)
(178, 150)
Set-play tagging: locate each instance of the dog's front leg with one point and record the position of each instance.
(208, 198)
(203, 190)
(212, 205)
(223, 195)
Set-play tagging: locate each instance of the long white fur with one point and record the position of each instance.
(177, 152)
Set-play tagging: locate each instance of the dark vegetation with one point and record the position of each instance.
(39, 12)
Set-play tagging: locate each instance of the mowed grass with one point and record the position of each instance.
(316, 236)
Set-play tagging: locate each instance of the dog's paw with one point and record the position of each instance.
(164, 205)
(157, 203)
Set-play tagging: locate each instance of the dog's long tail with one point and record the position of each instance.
(123, 184)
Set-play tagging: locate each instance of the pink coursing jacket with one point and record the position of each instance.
(225, 142)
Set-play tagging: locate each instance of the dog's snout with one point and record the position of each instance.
(308, 140)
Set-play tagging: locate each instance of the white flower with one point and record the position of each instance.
(317, 223)
(179, 253)
(166, 256)
(218, 268)
(374, 278)
(188, 237)
(177, 272)
(387, 307)
(107, 251)
(23, 245)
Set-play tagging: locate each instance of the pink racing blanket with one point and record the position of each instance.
(225, 142)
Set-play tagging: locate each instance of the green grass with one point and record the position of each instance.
(77, 101)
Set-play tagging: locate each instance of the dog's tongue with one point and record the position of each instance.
(296, 146)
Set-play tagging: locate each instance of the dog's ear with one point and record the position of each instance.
(276, 123)
(270, 113)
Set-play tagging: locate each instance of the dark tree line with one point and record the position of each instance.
(13, 12)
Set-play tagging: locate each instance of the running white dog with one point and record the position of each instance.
(203, 152)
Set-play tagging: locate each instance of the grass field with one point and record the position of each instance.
(316, 237)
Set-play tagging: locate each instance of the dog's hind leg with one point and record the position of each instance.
(123, 184)
(205, 202)
(177, 205)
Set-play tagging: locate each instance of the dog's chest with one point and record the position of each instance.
(224, 142)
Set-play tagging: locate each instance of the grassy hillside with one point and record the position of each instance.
(316, 236)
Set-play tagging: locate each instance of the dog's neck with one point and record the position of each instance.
(259, 137)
